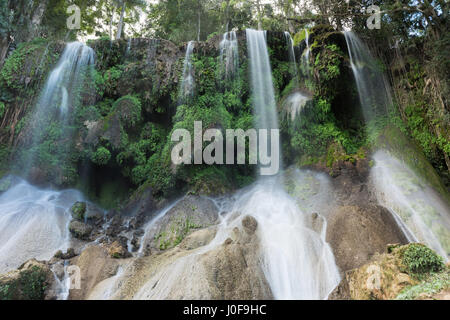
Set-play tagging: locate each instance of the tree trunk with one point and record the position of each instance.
(258, 7)
(120, 27)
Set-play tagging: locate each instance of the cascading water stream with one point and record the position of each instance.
(291, 268)
(423, 215)
(373, 88)
(33, 223)
(291, 51)
(306, 65)
(187, 85)
(419, 211)
(295, 103)
(229, 54)
(61, 93)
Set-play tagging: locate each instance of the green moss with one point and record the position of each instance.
(78, 210)
(433, 284)
(129, 110)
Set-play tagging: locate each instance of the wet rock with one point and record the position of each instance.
(250, 224)
(118, 251)
(70, 253)
(198, 239)
(78, 210)
(189, 214)
(383, 278)
(80, 230)
(95, 265)
(357, 233)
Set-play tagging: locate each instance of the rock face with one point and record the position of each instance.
(358, 233)
(95, 266)
(30, 282)
(87, 219)
(190, 213)
(196, 269)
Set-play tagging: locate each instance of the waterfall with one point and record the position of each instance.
(229, 54)
(62, 92)
(67, 77)
(373, 88)
(295, 103)
(291, 52)
(418, 210)
(263, 96)
(33, 223)
(188, 80)
(305, 57)
(423, 215)
(297, 262)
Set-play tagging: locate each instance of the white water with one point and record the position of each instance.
(373, 88)
(291, 51)
(306, 64)
(65, 78)
(423, 214)
(229, 54)
(295, 103)
(187, 86)
(296, 260)
(61, 91)
(263, 96)
(33, 223)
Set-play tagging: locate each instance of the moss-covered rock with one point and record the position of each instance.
(29, 282)
(394, 274)
(78, 210)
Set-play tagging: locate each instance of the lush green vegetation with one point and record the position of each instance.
(126, 111)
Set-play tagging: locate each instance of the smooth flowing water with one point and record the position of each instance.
(306, 64)
(295, 103)
(229, 54)
(291, 52)
(62, 92)
(293, 256)
(424, 216)
(373, 88)
(187, 86)
(418, 209)
(33, 223)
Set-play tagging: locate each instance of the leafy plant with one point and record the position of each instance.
(418, 258)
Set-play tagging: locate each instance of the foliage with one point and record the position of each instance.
(420, 259)
(101, 156)
(431, 285)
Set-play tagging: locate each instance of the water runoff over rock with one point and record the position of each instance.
(61, 92)
(294, 258)
(420, 212)
(33, 223)
(187, 85)
(229, 54)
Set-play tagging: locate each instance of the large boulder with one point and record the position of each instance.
(357, 233)
(95, 265)
(394, 274)
(189, 214)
